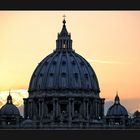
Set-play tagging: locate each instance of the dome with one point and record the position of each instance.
(117, 109)
(136, 114)
(9, 108)
(64, 69)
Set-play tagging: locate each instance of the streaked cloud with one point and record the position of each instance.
(105, 61)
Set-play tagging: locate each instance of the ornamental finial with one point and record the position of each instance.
(64, 21)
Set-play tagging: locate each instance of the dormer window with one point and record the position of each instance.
(64, 46)
(51, 74)
(54, 62)
(82, 63)
(73, 62)
(63, 62)
(86, 76)
(76, 75)
(63, 74)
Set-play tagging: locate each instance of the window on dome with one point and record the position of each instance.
(63, 62)
(76, 76)
(54, 62)
(73, 62)
(41, 74)
(51, 74)
(64, 46)
(63, 74)
(82, 63)
(86, 76)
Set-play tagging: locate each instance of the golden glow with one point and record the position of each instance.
(17, 97)
(109, 40)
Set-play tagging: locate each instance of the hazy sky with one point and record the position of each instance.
(109, 40)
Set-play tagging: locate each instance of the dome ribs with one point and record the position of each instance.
(33, 81)
(80, 74)
(57, 71)
(94, 80)
(50, 73)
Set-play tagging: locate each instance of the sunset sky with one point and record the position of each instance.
(109, 40)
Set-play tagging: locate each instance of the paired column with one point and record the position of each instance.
(70, 109)
(72, 104)
(96, 108)
(54, 107)
(30, 109)
(41, 103)
(84, 108)
(25, 108)
(87, 109)
(102, 106)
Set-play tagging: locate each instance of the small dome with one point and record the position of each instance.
(9, 108)
(117, 109)
(136, 114)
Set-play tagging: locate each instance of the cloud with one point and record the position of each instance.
(17, 96)
(105, 61)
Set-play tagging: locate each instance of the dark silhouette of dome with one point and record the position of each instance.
(9, 108)
(64, 69)
(117, 109)
(136, 114)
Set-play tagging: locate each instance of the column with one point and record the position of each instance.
(87, 106)
(102, 108)
(93, 109)
(33, 109)
(70, 109)
(42, 106)
(84, 108)
(54, 108)
(45, 111)
(30, 108)
(72, 100)
(61, 44)
(57, 109)
(25, 108)
(68, 45)
(96, 111)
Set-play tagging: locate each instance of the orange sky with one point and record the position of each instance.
(109, 40)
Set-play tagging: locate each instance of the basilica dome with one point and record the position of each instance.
(9, 108)
(64, 69)
(117, 109)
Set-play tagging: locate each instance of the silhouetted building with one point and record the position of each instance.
(64, 93)
(136, 120)
(10, 115)
(117, 114)
(64, 89)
